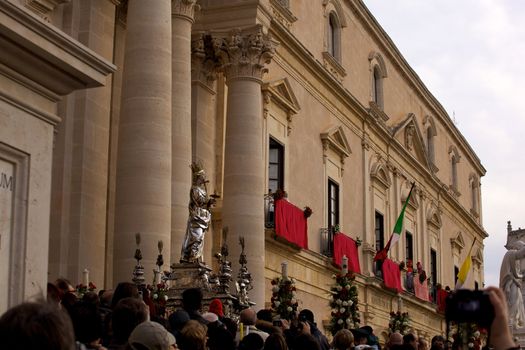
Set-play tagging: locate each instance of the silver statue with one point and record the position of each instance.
(510, 281)
(244, 280)
(199, 217)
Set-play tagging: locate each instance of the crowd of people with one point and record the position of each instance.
(122, 320)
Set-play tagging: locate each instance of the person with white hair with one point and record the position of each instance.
(510, 282)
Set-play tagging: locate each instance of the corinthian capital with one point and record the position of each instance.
(184, 8)
(244, 53)
(203, 61)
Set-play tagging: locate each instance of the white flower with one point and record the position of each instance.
(166, 297)
(405, 323)
(277, 303)
(345, 303)
(350, 303)
(331, 298)
(339, 288)
(289, 309)
(340, 321)
(334, 276)
(342, 310)
(348, 287)
(294, 293)
(348, 321)
(338, 302)
(470, 345)
(275, 289)
(155, 296)
(292, 280)
(293, 301)
(476, 334)
(334, 311)
(450, 339)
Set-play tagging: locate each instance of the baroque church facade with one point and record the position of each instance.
(105, 103)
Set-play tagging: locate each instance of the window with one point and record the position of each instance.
(380, 240)
(334, 36)
(409, 246)
(454, 163)
(333, 204)
(275, 166)
(476, 285)
(456, 271)
(377, 88)
(433, 271)
(430, 145)
(474, 186)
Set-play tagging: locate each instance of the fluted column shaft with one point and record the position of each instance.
(244, 55)
(182, 20)
(143, 184)
(203, 125)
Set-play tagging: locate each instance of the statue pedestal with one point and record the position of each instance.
(196, 275)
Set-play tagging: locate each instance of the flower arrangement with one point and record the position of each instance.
(399, 322)
(307, 212)
(82, 289)
(344, 303)
(468, 333)
(284, 301)
(159, 293)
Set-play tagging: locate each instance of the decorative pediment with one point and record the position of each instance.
(281, 94)
(335, 139)
(457, 242)
(409, 135)
(434, 216)
(405, 190)
(477, 258)
(379, 173)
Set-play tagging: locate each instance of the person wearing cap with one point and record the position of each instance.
(151, 336)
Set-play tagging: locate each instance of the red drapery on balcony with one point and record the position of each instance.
(392, 275)
(344, 245)
(421, 289)
(290, 223)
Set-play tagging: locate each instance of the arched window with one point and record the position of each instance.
(454, 164)
(474, 193)
(334, 36)
(454, 160)
(377, 87)
(430, 145)
(377, 76)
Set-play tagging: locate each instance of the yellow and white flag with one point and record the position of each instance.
(464, 271)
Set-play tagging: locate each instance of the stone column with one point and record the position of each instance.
(203, 123)
(182, 19)
(243, 55)
(143, 185)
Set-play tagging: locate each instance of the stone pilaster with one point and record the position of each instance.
(243, 55)
(204, 123)
(368, 250)
(143, 186)
(182, 20)
(80, 159)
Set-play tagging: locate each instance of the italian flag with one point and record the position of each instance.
(383, 253)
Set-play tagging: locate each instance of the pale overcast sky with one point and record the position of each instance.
(470, 54)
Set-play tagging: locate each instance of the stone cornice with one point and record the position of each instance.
(184, 9)
(46, 55)
(43, 7)
(412, 78)
(244, 53)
